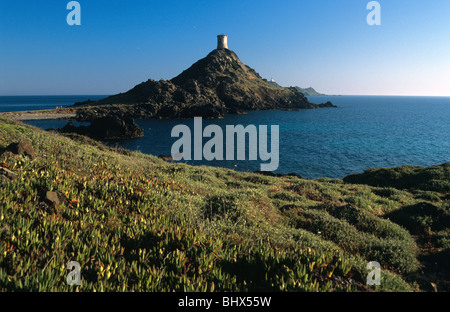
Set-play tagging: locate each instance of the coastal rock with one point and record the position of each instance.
(115, 128)
(107, 128)
(327, 104)
(212, 87)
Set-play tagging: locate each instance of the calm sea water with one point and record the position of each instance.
(25, 103)
(364, 132)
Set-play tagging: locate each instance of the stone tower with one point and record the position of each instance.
(222, 42)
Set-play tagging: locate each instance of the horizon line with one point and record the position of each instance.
(98, 94)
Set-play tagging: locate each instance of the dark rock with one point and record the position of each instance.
(43, 206)
(107, 128)
(115, 128)
(165, 158)
(55, 198)
(327, 104)
(271, 174)
(21, 148)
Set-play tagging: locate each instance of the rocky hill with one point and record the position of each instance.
(212, 87)
(309, 91)
(306, 91)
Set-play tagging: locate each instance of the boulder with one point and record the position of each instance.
(55, 198)
(21, 148)
(111, 127)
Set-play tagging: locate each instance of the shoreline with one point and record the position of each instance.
(47, 114)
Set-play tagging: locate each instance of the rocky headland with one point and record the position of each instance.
(216, 85)
(107, 128)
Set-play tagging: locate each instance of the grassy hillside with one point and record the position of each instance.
(431, 179)
(137, 223)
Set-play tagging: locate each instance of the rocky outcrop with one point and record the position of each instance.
(327, 104)
(107, 128)
(20, 148)
(212, 87)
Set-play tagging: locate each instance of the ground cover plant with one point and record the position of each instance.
(137, 223)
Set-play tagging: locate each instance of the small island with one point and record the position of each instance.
(214, 86)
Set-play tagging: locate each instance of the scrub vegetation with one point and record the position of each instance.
(137, 223)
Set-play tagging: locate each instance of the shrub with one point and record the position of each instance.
(421, 217)
(434, 178)
(347, 236)
(366, 222)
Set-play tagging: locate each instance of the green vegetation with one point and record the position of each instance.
(137, 223)
(432, 179)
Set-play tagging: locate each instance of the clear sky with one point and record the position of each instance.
(326, 44)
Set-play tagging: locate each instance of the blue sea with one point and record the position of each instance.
(363, 132)
(38, 102)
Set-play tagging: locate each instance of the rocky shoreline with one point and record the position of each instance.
(47, 114)
(106, 128)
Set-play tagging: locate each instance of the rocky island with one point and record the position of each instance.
(216, 85)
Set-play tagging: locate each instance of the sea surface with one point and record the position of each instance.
(38, 102)
(363, 132)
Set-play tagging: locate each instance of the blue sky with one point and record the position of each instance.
(326, 44)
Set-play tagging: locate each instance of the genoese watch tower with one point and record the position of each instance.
(222, 42)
